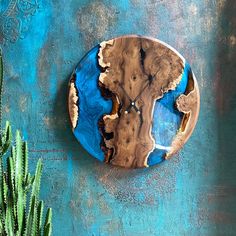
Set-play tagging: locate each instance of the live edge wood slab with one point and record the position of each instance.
(133, 101)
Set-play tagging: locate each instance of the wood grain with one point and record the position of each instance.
(138, 71)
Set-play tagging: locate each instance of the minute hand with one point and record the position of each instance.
(141, 92)
(125, 93)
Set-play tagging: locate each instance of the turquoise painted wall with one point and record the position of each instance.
(193, 193)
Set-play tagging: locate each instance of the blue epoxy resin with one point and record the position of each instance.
(167, 120)
(91, 104)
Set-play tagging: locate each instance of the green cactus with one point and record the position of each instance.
(16, 183)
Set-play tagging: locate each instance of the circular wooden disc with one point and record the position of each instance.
(133, 101)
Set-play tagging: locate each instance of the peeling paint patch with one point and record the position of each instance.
(193, 9)
(232, 40)
(138, 186)
(94, 21)
(23, 103)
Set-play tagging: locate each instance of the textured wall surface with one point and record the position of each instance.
(191, 194)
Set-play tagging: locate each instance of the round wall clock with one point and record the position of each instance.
(133, 101)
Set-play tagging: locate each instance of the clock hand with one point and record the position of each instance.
(132, 102)
(125, 92)
(141, 92)
(149, 82)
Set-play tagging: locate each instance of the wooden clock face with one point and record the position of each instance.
(133, 101)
